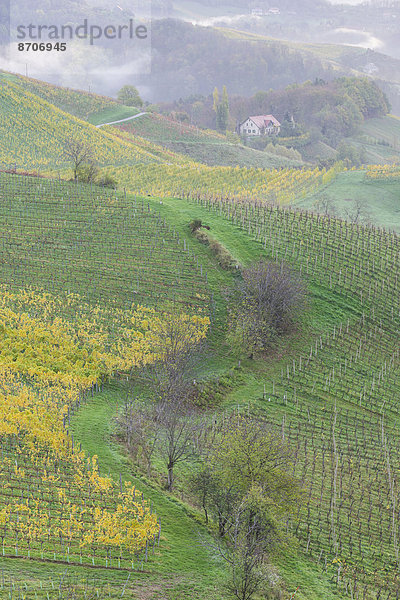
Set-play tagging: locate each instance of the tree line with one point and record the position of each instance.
(315, 110)
(239, 469)
(192, 60)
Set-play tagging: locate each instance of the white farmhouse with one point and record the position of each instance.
(260, 125)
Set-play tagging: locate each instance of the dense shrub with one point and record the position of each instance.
(267, 302)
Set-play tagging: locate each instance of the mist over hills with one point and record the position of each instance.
(198, 45)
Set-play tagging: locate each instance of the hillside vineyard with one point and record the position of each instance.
(200, 379)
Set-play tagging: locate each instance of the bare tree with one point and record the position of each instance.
(183, 432)
(179, 347)
(245, 552)
(358, 213)
(172, 428)
(141, 430)
(266, 302)
(168, 424)
(78, 152)
(326, 205)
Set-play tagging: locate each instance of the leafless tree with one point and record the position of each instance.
(267, 301)
(358, 213)
(167, 424)
(78, 152)
(326, 205)
(172, 428)
(141, 430)
(245, 553)
(183, 432)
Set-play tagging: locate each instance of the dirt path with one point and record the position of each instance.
(122, 120)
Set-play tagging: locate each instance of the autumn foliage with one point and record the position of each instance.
(54, 350)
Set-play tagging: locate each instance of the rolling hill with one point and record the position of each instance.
(323, 383)
(204, 146)
(89, 278)
(33, 133)
(378, 201)
(335, 60)
(150, 138)
(339, 56)
(85, 105)
(380, 139)
(76, 102)
(377, 140)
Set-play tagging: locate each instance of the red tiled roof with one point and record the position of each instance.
(265, 121)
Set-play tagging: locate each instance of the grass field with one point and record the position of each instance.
(386, 129)
(379, 140)
(36, 140)
(380, 201)
(113, 113)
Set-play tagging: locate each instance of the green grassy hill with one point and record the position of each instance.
(327, 384)
(329, 387)
(203, 146)
(380, 139)
(379, 201)
(33, 132)
(84, 105)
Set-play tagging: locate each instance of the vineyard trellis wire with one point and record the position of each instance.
(337, 403)
(57, 347)
(89, 239)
